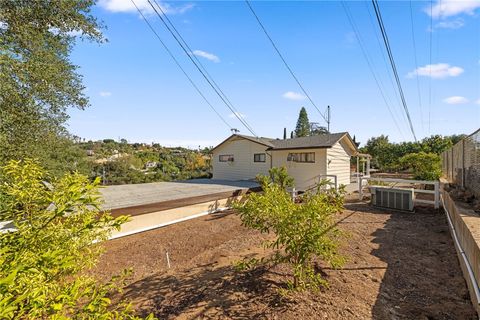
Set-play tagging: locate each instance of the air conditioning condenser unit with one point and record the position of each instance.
(393, 198)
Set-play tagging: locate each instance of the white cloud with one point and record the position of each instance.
(291, 95)
(452, 24)
(455, 100)
(449, 8)
(436, 71)
(234, 115)
(143, 5)
(105, 94)
(206, 55)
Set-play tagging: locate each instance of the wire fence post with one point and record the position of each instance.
(360, 195)
(437, 195)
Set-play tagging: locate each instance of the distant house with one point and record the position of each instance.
(151, 165)
(307, 159)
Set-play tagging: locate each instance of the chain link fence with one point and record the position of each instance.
(461, 163)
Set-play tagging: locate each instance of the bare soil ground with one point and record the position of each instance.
(400, 266)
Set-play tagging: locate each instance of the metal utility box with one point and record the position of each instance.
(394, 198)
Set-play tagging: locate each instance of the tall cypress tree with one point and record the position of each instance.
(284, 133)
(303, 125)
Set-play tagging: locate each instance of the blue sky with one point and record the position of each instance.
(138, 93)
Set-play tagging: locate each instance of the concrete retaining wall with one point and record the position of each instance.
(467, 230)
(157, 219)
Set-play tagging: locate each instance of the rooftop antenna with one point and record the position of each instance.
(328, 119)
(235, 130)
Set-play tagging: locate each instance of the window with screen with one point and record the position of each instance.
(308, 157)
(259, 157)
(225, 157)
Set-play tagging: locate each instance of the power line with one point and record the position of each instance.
(384, 58)
(180, 67)
(234, 111)
(392, 63)
(284, 61)
(430, 67)
(416, 64)
(369, 63)
(194, 56)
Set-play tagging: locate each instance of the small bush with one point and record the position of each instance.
(43, 262)
(424, 166)
(277, 175)
(302, 230)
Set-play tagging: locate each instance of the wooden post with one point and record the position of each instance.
(360, 195)
(437, 195)
(453, 168)
(463, 163)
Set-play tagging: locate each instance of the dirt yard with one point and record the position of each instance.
(400, 266)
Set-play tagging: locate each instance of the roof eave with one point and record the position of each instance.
(299, 148)
(239, 136)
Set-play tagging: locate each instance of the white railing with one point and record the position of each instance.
(320, 177)
(435, 192)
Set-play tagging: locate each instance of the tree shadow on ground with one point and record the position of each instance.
(208, 292)
(423, 279)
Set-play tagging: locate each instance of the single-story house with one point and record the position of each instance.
(307, 159)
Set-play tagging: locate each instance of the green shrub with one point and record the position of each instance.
(302, 230)
(277, 175)
(43, 263)
(424, 166)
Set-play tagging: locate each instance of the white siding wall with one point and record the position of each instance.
(304, 173)
(338, 163)
(243, 167)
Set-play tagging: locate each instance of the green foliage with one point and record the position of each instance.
(123, 163)
(424, 166)
(436, 144)
(386, 155)
(318, 130)
(43, 263)
(303, 125)
(302, 230)
(37, 81)
(278, 176)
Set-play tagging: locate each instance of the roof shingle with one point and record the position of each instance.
(317, 141)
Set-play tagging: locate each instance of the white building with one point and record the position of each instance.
(307, 159)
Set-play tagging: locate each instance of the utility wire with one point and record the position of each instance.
(416, 64)
(392, 63)
(195, 57)
(180, 67)
(284, 61)
(234, 111)
(369, 63)
(384, 58)
(430, 67)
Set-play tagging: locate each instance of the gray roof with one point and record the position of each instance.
(262, 140)
(311, 142)
(317, 141)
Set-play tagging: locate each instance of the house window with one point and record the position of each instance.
(302, 157)
(225, 157)
(259, 157)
